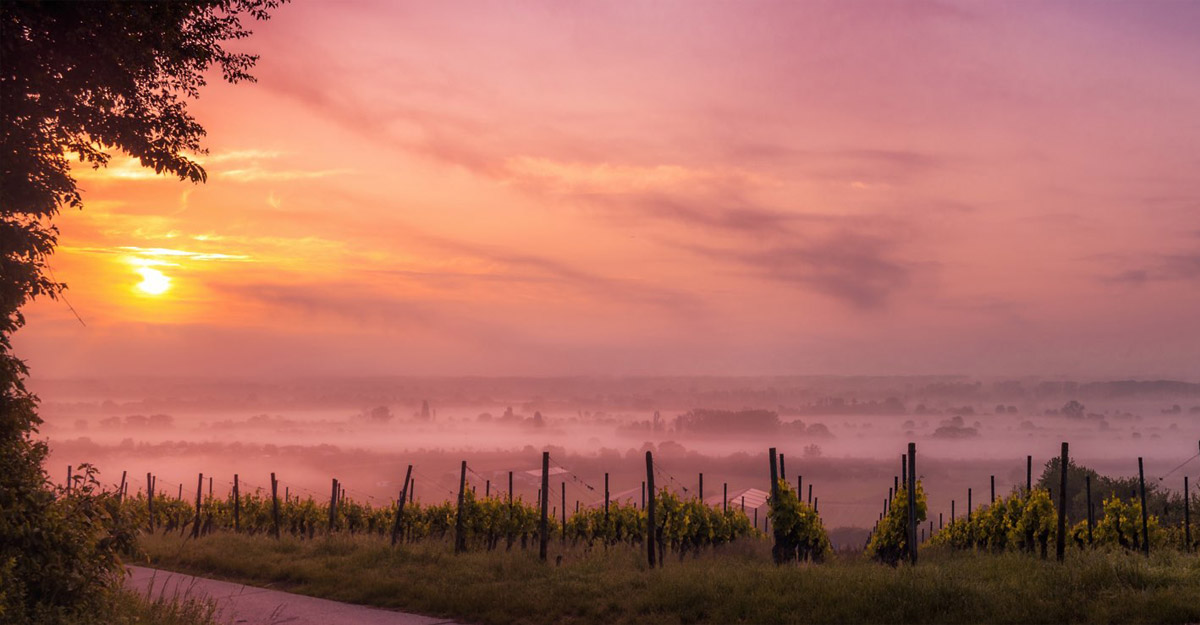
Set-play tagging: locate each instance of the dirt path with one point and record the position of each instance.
(249, 605)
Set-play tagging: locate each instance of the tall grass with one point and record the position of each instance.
(130, 607)
(733, 584)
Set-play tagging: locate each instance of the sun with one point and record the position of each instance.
(154, 282)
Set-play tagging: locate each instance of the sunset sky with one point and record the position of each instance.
(662, 187)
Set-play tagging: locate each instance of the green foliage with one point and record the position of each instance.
(1020, 523)
(799, 533)
(1017, 522)
(689, 525)
(1121, 526)
(889, 540)
(60, 557)
(1032, 524)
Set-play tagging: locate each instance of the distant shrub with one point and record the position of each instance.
(727, 421)
(955, 429)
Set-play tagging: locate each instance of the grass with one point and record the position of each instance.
(735, 585)
(123, 606)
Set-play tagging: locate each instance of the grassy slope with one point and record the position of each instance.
(738, 585)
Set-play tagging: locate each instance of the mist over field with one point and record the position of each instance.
(842, 436)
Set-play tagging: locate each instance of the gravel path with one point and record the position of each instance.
(249, 605)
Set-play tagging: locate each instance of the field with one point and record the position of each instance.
(733, 583)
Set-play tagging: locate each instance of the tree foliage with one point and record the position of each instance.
(81, 80)
(1166, 504)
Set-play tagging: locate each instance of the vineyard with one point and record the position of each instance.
(1026, 520)
(1029, 521)
(682, 525)
(267, 536)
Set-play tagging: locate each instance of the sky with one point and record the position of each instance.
(420, 188)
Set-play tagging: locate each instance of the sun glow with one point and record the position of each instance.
(154, 282)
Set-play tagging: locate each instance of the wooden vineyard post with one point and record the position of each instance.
(564, 512)
(511, 536)
(1028, 475)
(487, 489)
(237, 505)
(68, 479)
(400, 507)
(210, 488)
(605, 503)
(939, 523)
(725, 497)
(777, 546)
(650, 537)
(782, 471)
(799, 487)
(1087, 481)
(700, 492)
(951, 510)
(274, 506)
(1145, 512)
(199, 492)
(643, 494)
(810, 494)
(970, 505)
(121, 489)
(912, 502)
(333, 501)
(179, 496)
(546, 502)
(1060, 544)
(460, 537)
(1187, 516)
(993, 499)
(150, 499)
